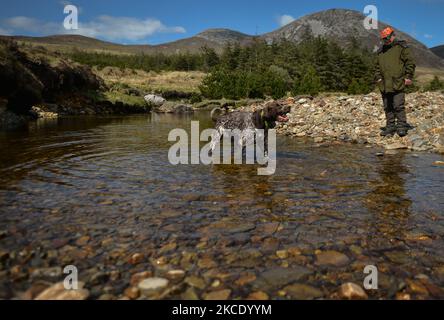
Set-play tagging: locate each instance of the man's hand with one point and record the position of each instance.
(408, 82)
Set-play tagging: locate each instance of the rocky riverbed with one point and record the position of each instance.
(358, 119)
(101, 195)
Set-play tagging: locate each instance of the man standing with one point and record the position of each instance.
(395, 69)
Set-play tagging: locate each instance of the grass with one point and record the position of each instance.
(114, 96)
(425, 75)
(152, 81)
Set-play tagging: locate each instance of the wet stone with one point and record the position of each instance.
(258, 295)
(58, 292)
(152, 286)
(98, 278)
(189, 294)
(206, 263)
(277, 278)
(132, 293)
(245, 279)
(352, 291)
(136, 258)
(331, 258)
(217, 295)
(175, 275)
(195, 282)
(82, 240)
(35, 289)
(303, 292)
(398, 257)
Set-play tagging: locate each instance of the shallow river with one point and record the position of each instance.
(100, 194)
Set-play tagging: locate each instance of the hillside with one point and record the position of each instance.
(439, 51)
(39, 83)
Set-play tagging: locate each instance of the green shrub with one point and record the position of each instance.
(435, 85)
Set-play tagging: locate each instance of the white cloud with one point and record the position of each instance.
(124, 28)
(285, 19)
(25, 24)
(4, 32)
(106, 27)
(428, 36)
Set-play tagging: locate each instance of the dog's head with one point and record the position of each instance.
(275, 112)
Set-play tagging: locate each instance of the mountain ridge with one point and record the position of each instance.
(438, 50)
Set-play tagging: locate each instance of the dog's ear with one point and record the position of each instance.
(270, 112)
(216, 113)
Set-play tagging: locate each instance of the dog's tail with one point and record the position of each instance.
(216, 113)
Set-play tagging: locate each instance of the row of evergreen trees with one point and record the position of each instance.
(147, 62)
(314, 65)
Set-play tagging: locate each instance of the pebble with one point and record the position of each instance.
(152, 286)
(175, 275)
(276, 278)
(132, 293)
(282, 254)
(138, 277)
(82, 241)
(189, 294)
(352, 291)
(58, 292)
(136, 258)
(243, 280)
(217, 295)
(303, 292)
(333, 258)
(195, 282)
(258, 295)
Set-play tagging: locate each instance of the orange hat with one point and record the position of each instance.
(386, 32)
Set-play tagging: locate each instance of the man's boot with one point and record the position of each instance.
(390, 130)
(402, 130)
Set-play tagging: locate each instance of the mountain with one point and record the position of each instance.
(213, 38)
(439, 51)
(342, 25)
(225, 36)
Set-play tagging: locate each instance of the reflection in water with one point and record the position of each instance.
(389, 201)
(108, 180)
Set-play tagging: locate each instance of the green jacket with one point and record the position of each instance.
(394, 64)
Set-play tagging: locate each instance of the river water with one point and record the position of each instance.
(100, 194)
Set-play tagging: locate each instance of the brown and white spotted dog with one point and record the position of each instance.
(247, 122)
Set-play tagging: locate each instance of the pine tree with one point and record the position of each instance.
(308, 83)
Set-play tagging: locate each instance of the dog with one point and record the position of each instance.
(248, 122)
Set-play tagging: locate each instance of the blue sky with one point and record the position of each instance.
(154, 22)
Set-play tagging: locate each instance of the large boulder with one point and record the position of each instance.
(154, 100)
